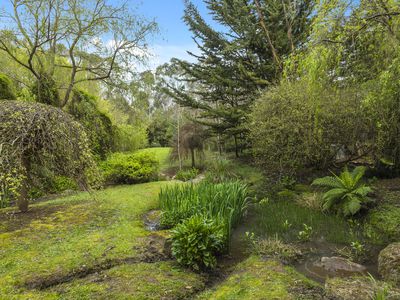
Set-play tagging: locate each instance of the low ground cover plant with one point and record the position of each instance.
(347, 193)
(197, 240)
(128, 168)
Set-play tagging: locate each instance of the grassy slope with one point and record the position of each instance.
(63, 236)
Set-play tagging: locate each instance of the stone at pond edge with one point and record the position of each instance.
(358, 288)
(389, 263)
(340, 265)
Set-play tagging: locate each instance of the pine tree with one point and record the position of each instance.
(239, 60)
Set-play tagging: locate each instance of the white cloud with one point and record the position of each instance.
(161, 54)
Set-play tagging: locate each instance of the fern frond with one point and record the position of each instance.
(357, 174)
(352, 205)
(328, 181)
(362, 191)
(347, 178)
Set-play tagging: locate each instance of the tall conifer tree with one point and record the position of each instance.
(239, 58)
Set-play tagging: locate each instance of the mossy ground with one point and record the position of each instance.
(256, 278)
(63, 238)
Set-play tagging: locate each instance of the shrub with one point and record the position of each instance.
(347, 193)
(186, 175)
(295, 126)
(97, 125)
(128, 168)
(196, 242)
(6, 88)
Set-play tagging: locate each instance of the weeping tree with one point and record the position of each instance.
(189, 139)
(32, 135)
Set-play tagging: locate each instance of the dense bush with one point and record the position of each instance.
(186, 175)
(196, 242)
(97, 125)
(45, 90)
(294, 126)
(129, 137)
(347, 193)
(128, 168)
(383, 103)
(6, 88)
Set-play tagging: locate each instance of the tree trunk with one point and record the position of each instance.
(192, 154)
(236, 146)
(23, 201)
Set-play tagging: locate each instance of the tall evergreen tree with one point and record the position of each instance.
(237, 60)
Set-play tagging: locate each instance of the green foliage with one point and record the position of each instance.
(225, 200)
(33, 134)
(297, 125)
(225, 204)
(305, 234)
(45, 90)
(220, 170)
(128, 168)
(128, 138)
(63, 183)
(186, 175)
(196, 242)
(382, 225)
(347, 194)
(97, 125)
(383, 102)
(7, 91)
(160, 130)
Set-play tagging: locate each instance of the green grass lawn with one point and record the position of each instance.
(68, 235)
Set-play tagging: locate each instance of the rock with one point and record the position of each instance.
(359, 288)
(389, 263)
(340, 266)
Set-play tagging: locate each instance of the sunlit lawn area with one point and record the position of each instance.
(76, 233)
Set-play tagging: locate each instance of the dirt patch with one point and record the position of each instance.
(154, 248)
(13, 220)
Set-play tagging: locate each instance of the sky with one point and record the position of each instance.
(174, 38)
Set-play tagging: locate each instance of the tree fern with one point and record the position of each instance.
(346, 192)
